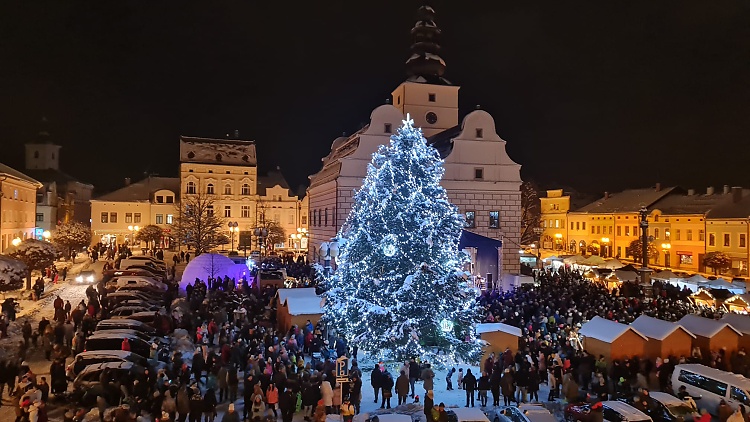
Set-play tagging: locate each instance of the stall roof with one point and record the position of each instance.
(498, 326)
(655, 328)
(739, 322)
(306, 292)
(606, 330)
(704, 327)
(664, 275)
(304, 305)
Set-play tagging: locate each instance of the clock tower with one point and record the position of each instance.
(429, 98)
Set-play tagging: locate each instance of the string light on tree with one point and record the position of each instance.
(399, 290)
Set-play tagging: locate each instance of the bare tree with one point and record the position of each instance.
(530, 213)
(151, 234)
(197, 225)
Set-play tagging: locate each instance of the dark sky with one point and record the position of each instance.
(599, 95)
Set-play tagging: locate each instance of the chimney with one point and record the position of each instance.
(710, 190)
(606, 195)
(127, 181)
(658, 187)
(736, 194)
(726, 189)
(691, 192)
(236, 134)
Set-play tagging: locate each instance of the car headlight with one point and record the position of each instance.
(79, 279)
(90, 279)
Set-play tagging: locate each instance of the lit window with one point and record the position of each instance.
(159, 218)
(727, 240)
(494, 219)
(677, 234)
(557, 223)
(105, 217)
(701, 236)
(245, 189)
(470, 219)
(170, 218)
(210, 189)
(137, 217)
(227, 189)
(246, 211)
(627, 230)
(113, 217)
(128, 217)
(656, 233)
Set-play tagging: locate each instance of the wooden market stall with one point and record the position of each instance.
(738, 303)
(664, 338)
(711, 335)
(612, 339)
(296, 306)
(499, 337)
(740, 323)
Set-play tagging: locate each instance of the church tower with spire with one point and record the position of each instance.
(430, 99)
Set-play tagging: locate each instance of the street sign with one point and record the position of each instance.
(246, 239)
(342, 367)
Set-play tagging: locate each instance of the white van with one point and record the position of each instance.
(712, 385)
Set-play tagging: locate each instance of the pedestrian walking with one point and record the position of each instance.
(402, 387)
(470, 385)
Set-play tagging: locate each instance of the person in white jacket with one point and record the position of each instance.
(326, 394)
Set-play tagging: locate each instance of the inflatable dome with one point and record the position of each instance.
(208, 265)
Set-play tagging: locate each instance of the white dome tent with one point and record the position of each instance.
(208, 265)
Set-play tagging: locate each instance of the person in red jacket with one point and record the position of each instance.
(125, 345)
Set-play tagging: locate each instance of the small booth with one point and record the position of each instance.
(740, 323)
(612, 339)
(664, 338)
(296, 306)
(711, 335)
(499, 337)
(738, 304)
(720, 283)
(703, 298)
(666, 276)
(593, 261)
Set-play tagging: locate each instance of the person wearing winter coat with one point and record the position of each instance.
(387, 390)
(183, 404)
(376, 380)
(272, 399)
(222, 381)
(507, 387)
(413, 375)
(570, 388)
(257, 405)
(402, 388)
(470, 384)
(231, 415)
(169, 405)
(429, 404)
(196, 407)
(326, 394)
(287, 405)
(495, 386)
(460, 380)
(209, 405)
(338, 395)
(233, 382)
(428, 375)
(533, 387)
(484, 386)
(355, 392)
(348, 410)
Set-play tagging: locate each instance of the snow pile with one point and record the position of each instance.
(12, 273)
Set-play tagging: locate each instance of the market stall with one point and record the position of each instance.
(711, 335)
(498, 337)
(664, 338)
(612, 339)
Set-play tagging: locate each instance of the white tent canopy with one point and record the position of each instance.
(612, 264)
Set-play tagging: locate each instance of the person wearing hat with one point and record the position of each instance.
(442, 416)
(429, 403)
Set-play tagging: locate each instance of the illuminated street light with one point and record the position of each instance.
(16, 241)
(605, 243)
(666, 247)
(46, 235)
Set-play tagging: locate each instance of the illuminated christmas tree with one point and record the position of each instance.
(399, 290)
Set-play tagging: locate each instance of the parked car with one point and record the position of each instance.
(390, 417)
(87, 385)
(125, 324)
(143, 336)
(143, 260)
(612, 411)
(672, 408)
(156, 271)
(85, 276)
(153, 306)
(125, 311)
(144, 283)
(84, 359)
(712, 386)
(524, 413)
(145, 317)
(103, 340)
(466, 414)
(117, 297)
(109, 275)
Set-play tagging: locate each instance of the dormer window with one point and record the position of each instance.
(479, 173)
(191, 155)
(388, 128)
(431, 98)
(480, 133)
(218, 157)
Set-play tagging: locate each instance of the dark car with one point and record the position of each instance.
(126, 311)
(147, 305)
(143, 336)
(87, 385)
(146, 317)
(102, 340)
(126, 295)
(125, 324)
(612, 411)
(663, 407)
(157, 272)
(84, 359)
(109, 275)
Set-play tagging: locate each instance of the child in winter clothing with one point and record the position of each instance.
(460, 378)
(448, 379)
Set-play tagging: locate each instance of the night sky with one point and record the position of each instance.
(597, 95)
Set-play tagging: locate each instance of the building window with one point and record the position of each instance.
(431, 98)
(686, 259)
(689, 234)
(303, 220)
(159, 218)
(170, 199)
(159, 199)
(210, 188)
(15, 193)
(627, 230)
(190, 187)
(677, 234)
(276, 217)
(227, 210)
(227, 189)
(578, 225)
(388, 128)
(210, 210)
(325, 220)
(39, 217)
(743, 240)
(479, 173)
(170, 218)
(610, 229)
(210, 171)
(583, 226)
(726, 240)
(291, 219)
(470, 219)
(494, 219)
(137, 217)
(479, 133)
(245, 211)
(701, 236)
(635, 232)
(711, 239)
(128, 217)
(245, 189)
(557, 223)
(656, 233)
(105, 217)
(113, 217)
(619, 251)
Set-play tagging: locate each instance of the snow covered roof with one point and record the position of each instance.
(704, 327)
(142, 191)
(217, 151)
(10, 171)
(284, 294)
(739, 322)
(498, 326)
(664, 275)
(696, 279)
(606, 330)
(304, 305)
(655, 328)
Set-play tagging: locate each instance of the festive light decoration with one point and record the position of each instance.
(399, 290)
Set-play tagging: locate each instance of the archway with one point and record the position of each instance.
(573, 246)
(595, 248)
(582, 247)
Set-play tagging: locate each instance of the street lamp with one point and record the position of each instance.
(261, 233)
(16, 241)
(46, 235)
(329, 250)
(605, 243)
(233, 228)
(666, 247)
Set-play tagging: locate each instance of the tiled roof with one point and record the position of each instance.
(142, 190)
(688, 204)
(626, 201)
(10, 171)
(730, 209)
(273, 178)
(52, 175)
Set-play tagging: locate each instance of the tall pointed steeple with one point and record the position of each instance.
(425, 60)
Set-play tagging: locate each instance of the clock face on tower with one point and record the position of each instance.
(431, 118)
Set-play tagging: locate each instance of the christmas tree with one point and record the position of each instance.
(400, 290)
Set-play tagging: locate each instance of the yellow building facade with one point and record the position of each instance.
(554, 216)
(17, 206)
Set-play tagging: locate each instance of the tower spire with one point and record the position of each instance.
(425, 60)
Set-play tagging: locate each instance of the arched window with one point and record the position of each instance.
(210, 188)
(245, 189)
(218, 157)
(190, 187)
(210, 210)
(227, 189)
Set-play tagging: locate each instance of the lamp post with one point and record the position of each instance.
(233, 228)
(261, 233)
(16, 241)
(605, 246)
(301, 234)
(644, 270)
(329, 250)
(666, 247)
